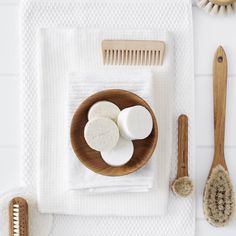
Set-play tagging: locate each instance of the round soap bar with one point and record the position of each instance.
(135, 123)
(101, 134)
(120, 154)
(104, 109)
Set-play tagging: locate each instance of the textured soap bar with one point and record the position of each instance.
(120, 154)
(104, 109)
(101, 134)
(135, 123)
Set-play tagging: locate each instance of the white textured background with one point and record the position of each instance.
(209, 33)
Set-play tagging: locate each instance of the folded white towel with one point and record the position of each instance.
(171, 15)
(82, 85)
(62, 51)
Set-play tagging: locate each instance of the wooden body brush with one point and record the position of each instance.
(214, 7)
(18, 217)
(218, 199)
(182, 185)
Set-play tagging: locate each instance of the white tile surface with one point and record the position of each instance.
(9, 2)
(9, 50)
(209, 32)
(204, 229)
(9, 118)
(9, 168)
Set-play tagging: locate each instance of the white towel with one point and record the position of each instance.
(62, 50)
(84, 84)
(171, 15)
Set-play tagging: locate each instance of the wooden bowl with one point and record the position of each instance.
(143, 149)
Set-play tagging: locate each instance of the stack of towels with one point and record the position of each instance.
(61, 66)
(71, 69)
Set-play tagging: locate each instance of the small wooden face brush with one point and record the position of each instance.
(182, 185)
(18, 217)
(218, 199)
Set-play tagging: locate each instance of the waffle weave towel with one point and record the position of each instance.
(57, 59)
(172, 15)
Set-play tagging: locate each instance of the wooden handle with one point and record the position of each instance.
(223, 2)
(182, 146)
(219, 91)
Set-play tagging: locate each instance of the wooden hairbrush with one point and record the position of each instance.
(18, 217)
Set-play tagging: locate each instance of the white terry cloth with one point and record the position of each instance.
(61, 48)
(171, 15)
(81, 86)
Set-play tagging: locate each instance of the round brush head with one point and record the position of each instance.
(218, 200)
(183, 186)
(221, 7)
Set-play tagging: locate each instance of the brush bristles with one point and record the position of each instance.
(183, 187)
(132, 57)
(16, 219)
(215, 9)
(218, 200)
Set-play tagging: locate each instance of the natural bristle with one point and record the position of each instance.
(183, 186)
(218, 200)
(16, 220)
(214, 8)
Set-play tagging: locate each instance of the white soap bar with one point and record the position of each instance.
(135, 123)
(101, 134)
(120, 154)
(104, 109)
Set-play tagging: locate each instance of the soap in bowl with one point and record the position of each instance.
(143, 149)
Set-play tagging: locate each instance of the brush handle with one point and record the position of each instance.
(23, 217)
(223, 2)
(182, 146)
(219, 91)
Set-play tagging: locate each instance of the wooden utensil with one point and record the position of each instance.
(182, 146)
(219, 93)
(18, 217)
(218, 199)
(143, 149)
(223, 2)
(133, 52)
(183, 185)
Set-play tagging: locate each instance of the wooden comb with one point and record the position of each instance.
(133, 52)
(18, 217)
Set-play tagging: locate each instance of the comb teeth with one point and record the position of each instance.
(18, 217)
(133, 52)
